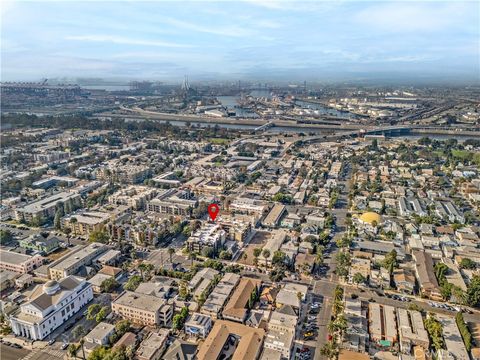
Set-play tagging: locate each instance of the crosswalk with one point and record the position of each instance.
(45, 354)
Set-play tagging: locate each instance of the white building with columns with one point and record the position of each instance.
(50, 305)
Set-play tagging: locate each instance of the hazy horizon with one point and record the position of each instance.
(402, 41)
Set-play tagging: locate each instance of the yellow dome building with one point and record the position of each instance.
(371, 218)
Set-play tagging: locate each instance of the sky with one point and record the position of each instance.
(208, 40)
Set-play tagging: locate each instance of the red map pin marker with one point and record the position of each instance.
(213, 210)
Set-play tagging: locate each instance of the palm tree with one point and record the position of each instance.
(142, 267)
(72, 350)
(171, 251)
(82, 342)
(192, 256)
(73, 221)
(266, 255)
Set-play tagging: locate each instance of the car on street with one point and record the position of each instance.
(51, 342)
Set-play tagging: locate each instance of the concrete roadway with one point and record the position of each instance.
(11, 353)
(327, 286)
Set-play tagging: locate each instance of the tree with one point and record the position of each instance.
(473, 292)
(72, 350)
(225, 255)
(266, 255)
(192, 256)
(82, 343)
(466, 335)
(390, 261)
(435, 330)
(99, 353)
(279, 258)
(57, 219)
(92, 311)
(330, 350)
(145, 269)
(78, 331)
(122, 327)
(467, 263)
(102, 314)
(99, 236)
(5, 236)
(179, 319)
(108, 285)
(257, 252)
(208, 252)
(358, 278)
(133, 283)
(343, 263)
(171, 251)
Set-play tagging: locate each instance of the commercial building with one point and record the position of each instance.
(75, 260)
(45, 208)
(236, 307)
(230, 338)
(19, 263)
(49, 306)
(143, 309)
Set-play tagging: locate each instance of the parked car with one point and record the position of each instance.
(51, 342)
(64, 346)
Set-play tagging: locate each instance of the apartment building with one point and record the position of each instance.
(75, 260)
(49, 306)
(210, 234)
(453, 340)
(198, 325)
(152, 347)
(273, 244)
(134, 196)
(127, 174)
(412, 331)
(236, 308)
(173, 202)
(382, 324)
(425, 275)
(45, 208)
(273, 218)
(219, 296)
(86, 222)
(143, 309)
(228, 336)
(281, 331)
(19, 263)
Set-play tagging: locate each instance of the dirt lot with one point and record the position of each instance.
(259, 239)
